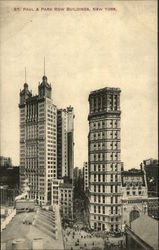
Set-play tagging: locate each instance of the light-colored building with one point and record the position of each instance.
(85, 176)
(62, 196)
(38, 140)
(104, 159)
(55, 191)
(134, 195)
(66, 200)
(65, 142)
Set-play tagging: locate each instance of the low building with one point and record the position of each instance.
(85, 176)
(62, 196)
(153, 207)
(5, 161)
(151, 169)
(7, 195)
(55, 191)
(134, 195)
(66, 200)
(143, 234)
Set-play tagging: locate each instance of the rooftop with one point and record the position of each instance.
(146, 229)
(133, 171)
(105, 89)
(17, 229)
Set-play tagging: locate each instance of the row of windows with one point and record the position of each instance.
(134, 193)
(41, 110)
(102, 177)
(105, 124)
(22, 111)
(107, 145)
(102, 199)
(107, 167)
(101, 188)
(103, 135)
(107, 156)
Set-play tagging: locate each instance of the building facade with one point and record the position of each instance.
(38, 140)
(151, 167)
(75, 173)
(85, 176)
(153, 207)
(104, 159)
(5, 161)
(65, 142)
(55, 200)
(134, 195)
(66, 200)
(62, 196)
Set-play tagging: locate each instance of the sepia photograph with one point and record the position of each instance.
(79, 125)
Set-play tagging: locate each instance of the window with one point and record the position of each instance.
(116, 210)
(94, 209)
(94, 167)
(103, 168)
(103, 177)
(95, 177)
(103, 210)
(111, 178)
(103, 199)
(99, 209)
(94, 198)
(134, 193)
(111, 210)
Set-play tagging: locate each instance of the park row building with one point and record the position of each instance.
(104, 159)
(38, 141)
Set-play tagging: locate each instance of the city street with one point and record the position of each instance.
(78, 239)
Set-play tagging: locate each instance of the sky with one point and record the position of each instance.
(84, 51)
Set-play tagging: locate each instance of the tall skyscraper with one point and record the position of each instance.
(38, 140)
(104, 159)
(65, 142)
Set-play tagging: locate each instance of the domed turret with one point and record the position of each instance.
(25, 93)
(44, 88)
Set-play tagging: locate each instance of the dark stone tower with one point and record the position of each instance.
(44, 88)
